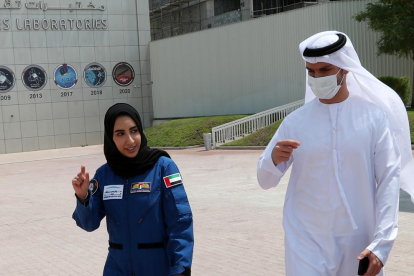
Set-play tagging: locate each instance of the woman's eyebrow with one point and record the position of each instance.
(133, 127)
(119, 130)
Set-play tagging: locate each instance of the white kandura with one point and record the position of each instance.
(343, 191)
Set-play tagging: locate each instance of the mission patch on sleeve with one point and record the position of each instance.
(93, 186)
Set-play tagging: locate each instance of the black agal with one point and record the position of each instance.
(327, 49)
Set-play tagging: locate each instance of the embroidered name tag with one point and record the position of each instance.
(173, 180)
(113, 192)
(141, 187)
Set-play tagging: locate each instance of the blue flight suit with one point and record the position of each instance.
(150, 232)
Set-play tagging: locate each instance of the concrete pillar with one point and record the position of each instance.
(245, 8)
(210, 8)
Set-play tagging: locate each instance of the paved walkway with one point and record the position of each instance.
(237, 225)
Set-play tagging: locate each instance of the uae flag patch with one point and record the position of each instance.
(173, 180)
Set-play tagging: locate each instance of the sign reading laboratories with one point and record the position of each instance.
(52, 24)
(65, 76)
(94, 75)
(34, 77)
(123, 74)
(7, 79)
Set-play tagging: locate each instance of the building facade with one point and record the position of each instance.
(254, 65)
(175, 17)
(63, 63)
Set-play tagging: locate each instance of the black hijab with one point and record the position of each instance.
(120, 164)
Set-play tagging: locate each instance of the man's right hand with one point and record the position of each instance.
(80, 183)
(283, 150)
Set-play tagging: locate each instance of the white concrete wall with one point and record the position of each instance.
(254, 65)
(53, 121)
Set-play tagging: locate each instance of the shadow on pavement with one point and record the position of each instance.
(405, 202)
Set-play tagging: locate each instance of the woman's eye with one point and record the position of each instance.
(119, 134)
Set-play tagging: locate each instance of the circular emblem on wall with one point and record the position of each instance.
(123, 74)
(94, 75)
(34, 77)
(7, 79)
(65, 76)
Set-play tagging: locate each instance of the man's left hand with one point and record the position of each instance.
(375, 264)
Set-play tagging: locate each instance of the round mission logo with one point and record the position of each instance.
(94, 75)
(123, 74)
(65, 76)
(34, 77)
(7, 79)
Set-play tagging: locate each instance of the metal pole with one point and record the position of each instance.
(162, 25)
(213, 134)
(180, 18)
(171, 24)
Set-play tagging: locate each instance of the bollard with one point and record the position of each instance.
(207, 141)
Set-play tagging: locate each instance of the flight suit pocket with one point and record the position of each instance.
(181, 200)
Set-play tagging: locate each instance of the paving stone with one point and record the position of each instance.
(238, 226)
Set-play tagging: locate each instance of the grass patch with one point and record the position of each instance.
(411, 120)
(185, 132)
(189, 131)
(261, 137)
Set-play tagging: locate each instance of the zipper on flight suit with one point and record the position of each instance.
(128, 232)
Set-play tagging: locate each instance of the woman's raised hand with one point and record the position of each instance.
(80, 183)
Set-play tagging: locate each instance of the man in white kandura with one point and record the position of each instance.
(350, 150)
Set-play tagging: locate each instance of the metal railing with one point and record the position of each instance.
(179, 28)
(156, 4)
(278, 7)
(230, 131)
(174, 30)
(222, 19)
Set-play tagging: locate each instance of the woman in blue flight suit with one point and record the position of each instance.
(141, 193)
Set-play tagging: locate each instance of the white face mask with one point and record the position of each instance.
(325, 87)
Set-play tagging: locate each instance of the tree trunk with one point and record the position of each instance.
(412, 89)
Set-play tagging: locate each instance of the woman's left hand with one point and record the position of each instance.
(375, 264)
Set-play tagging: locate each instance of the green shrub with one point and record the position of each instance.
(401, 85)
(411, 120)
